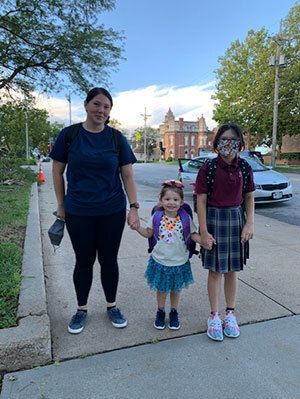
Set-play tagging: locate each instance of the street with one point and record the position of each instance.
(150, 176)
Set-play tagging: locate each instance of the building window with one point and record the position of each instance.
(171, 140)
(193, 140)
(186, 140)
(185, 154)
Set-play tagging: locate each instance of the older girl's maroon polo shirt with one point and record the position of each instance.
(228, 184)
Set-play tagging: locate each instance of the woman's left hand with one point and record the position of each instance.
(247, 233)
(133, 219)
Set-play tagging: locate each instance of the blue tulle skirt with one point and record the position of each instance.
(168, 278)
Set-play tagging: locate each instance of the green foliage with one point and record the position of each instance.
(43, 42)
(245, 84)
(12, 133)
(291, 156)
(11, 259)
(115, 123)
(14, 203)
(10, 169)
(152, 137)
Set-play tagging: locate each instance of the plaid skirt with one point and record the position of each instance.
(229, 254)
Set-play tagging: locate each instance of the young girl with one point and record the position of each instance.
(169, 268)
(224, 230)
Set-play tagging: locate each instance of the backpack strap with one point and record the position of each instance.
(73, 130)
(185, 220)
(245, 169)
(157, 215)
(71, 133)
(210, 174)
(117, 135)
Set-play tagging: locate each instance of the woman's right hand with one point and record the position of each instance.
(207, 240)
(61, 212)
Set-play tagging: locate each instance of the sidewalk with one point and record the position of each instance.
(268, 290)
(263, 364)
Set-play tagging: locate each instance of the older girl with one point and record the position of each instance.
(225, 229)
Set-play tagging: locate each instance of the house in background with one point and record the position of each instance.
(184, 139)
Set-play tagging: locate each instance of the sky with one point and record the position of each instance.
(171, 49)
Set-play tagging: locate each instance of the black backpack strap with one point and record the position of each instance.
(117, 135)
(73, 130)
(71, 133)
(245, 169)
(210, 174)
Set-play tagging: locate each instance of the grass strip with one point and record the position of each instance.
(15, 188)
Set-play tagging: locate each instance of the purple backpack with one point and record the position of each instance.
(184, 213)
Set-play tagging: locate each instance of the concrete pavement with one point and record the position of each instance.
(262, 364)
(268, 290)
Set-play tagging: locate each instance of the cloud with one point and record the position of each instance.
(58, 108)
(188, 102)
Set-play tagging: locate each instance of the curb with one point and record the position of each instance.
(29, 344)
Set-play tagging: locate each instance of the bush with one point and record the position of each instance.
(10, 169)
(290, 156)
(170, 159)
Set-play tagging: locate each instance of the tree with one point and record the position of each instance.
(115, 123)
(245, 84)
(152, 137)
(13, 120)
(52, 44)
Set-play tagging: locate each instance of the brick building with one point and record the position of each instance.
(184, 139)
(290, 144)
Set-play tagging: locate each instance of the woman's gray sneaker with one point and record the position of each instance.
(116, 318)
(77, 322)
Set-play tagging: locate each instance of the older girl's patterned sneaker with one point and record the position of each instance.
(231, 328)
(214, 327)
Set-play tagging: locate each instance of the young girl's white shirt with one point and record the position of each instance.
(173, 251)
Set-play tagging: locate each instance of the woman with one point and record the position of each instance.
(94, 206)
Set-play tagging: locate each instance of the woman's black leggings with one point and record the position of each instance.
(91, 236)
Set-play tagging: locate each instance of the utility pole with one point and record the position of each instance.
(26, 134)
(145, 117)
(68, 97)
(277, 61)
(26, 128)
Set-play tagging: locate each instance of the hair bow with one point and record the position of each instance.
(172, 183)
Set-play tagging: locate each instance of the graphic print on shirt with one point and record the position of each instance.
(168, 228)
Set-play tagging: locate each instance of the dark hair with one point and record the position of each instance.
(177, 190)
(94, 92)
(98, 90)
(229, 126)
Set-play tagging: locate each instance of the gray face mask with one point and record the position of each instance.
(56, 232)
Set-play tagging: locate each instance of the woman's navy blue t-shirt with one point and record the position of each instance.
(94, 184)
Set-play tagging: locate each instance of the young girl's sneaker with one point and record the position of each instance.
(214, 327)
(231, 328)
(160, 320)
(174, 323)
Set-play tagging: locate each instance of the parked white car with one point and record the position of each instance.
(270, 186)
